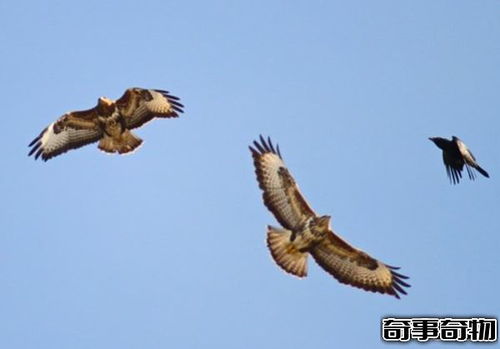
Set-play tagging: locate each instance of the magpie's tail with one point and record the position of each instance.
(481, 171)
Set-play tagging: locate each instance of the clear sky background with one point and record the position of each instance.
(166, 248)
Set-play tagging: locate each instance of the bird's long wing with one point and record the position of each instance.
(453, 167)
(281, 194)
(73, 130)
(354, 267)
(139, 106)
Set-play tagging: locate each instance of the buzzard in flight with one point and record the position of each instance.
(455, 156)
(307, 233)
(109, 123)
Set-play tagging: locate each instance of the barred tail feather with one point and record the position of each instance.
(125, 143)
(285, 253)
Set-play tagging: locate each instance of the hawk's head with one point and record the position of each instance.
(105, 106)
(322, 223)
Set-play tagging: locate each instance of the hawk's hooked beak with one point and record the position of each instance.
(324, 221)
(105, 101)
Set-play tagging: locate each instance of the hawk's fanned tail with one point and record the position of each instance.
(284, 252)
(307, 233)
(125, 143)
(78, 128)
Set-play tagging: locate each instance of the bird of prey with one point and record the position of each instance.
(109, 123)
(455, 156)
(304, 232)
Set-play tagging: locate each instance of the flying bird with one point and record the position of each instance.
(304, 232)
(109, 123)
(455, 156)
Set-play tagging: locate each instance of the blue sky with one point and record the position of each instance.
(165, 248)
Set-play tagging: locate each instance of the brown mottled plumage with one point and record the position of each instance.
(307, 233)
(109, 122)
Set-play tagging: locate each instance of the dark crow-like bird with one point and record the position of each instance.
(455, 156)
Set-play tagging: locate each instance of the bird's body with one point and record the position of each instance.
(456, 155)
(304, 232)
(109, 122)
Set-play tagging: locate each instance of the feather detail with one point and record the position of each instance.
(108, 121)
(306, 233)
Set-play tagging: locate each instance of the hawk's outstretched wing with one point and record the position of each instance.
(138, 106)
(72, 130)
(281, 194)
(354, 267)
(291, 246)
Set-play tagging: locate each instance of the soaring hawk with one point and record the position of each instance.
(109, 123)
(304, 232)
(455, 156)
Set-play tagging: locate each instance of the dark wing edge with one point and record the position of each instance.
(134, 106)
(258, 150)
(397, 282)
(325, 261)
(174, 100)
(36, 145)
(470, 172)
(453, 174)
(69, 139)
(265, 146)
(395, 289)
